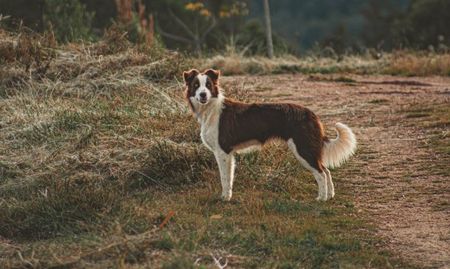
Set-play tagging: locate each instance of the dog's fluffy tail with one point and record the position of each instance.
(337, 151)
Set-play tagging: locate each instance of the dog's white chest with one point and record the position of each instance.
(209, 118)
(210, 134)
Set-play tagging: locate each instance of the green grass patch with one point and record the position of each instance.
(378, 101)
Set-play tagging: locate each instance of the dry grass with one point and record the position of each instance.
(434, 120)
(419, 64)
(99, 149)
(235, 64)
(403, 63)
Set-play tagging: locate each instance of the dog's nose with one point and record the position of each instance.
(203, 94)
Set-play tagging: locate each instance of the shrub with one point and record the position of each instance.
(69, 19)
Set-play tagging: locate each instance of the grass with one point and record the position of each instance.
(403, 63)
(407, 63)
(342, 79)
(235, 64)
(101, 166)
(434, 119)
(379, 101)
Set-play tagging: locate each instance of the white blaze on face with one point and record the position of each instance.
(202, 90)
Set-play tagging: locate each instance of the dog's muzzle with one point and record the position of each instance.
(203, 98)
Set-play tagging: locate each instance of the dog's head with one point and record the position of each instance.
(201, 87)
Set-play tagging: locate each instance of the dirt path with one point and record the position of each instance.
(394, 175)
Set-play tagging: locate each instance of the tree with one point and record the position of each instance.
(426, 23)
(268, 29)
(194, 23)
(69, 19)
(192, 35)
(31, 16)
(380, 19)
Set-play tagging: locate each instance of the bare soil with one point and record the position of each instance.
(400, 182)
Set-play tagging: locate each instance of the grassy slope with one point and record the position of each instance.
(96, 152)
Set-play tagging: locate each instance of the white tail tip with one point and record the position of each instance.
(337, 151)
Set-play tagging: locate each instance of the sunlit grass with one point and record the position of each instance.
(101, 166)
(419, 64)
(238, 65)
(404, 63)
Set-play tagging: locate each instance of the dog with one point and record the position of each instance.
(229, 127)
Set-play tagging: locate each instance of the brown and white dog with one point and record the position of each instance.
(229, 127)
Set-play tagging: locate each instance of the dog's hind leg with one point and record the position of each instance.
(226, 168)
(315, 168)
(321, 179)
(330, 184)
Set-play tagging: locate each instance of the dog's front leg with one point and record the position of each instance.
(226, 168)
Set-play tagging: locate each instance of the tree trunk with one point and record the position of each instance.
(268, 29)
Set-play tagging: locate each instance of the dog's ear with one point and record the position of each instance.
(190, 75)
(213, 75)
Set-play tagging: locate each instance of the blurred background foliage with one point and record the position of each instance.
(207, 26)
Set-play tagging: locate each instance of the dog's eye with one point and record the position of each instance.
(208, 84)
(196, 85)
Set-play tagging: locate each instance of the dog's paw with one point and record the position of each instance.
(226, 197)
(321, 199)
(330, 195)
